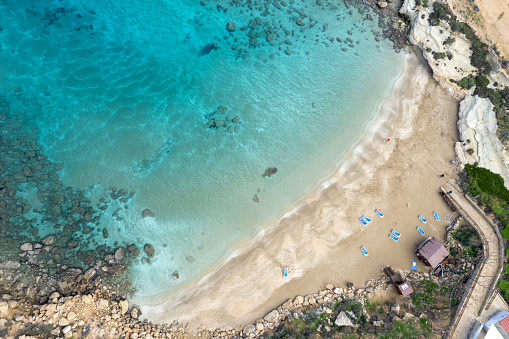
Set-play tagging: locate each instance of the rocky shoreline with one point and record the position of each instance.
(67, 284)
(104, 313)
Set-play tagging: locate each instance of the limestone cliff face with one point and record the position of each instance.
(477, 122)
(447, 52)
(477, 126)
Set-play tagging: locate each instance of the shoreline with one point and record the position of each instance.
(252, 278)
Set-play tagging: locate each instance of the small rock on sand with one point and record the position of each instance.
(147, 213)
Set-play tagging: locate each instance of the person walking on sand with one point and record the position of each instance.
(442, 175)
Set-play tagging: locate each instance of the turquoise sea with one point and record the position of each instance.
(160, 99)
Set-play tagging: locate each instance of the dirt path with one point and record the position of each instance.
(482, 281)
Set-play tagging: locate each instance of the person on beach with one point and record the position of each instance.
(442, 175)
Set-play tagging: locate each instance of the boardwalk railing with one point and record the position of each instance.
(475, 275)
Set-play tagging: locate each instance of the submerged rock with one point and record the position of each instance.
(269, 172)
(147, 213)
(230, 27)
(149, 250)
(119, 253)
(221, 110)
(207, 49)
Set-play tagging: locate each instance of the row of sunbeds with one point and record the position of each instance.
(395, 235)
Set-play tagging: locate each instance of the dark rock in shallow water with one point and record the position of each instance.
(49, 240)
(149, 249)
(119, 253)
(207, 49)
(190, 258)
(147, 213)
(221, 110)
(116, 270)
(175, 275)
(134, 253)
(67, 279)
(72, 244)
(230, 27)
(269, 172)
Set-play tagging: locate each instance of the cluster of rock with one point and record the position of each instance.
(286, 26)
(439, 40)
(106, 315)
(49, 233)
(218, 119)
(94, 309)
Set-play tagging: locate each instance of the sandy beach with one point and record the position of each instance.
(320, 242)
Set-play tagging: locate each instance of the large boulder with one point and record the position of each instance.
(67, 279)
(149, 250)
(147, 213)
(230, 27)
(26, 247)
(272, 316)
(343, 320)
(119, 253)
(249, 329)
(124, 306)
(49, 240)
(4, 307)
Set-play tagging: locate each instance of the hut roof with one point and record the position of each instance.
(433, 251)
(405, 289)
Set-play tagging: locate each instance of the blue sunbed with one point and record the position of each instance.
(285, 273)
(396, 239)
(380, 214)
(420, 230)
(435, 214)
(414, 265)
(396, 233)
(422, 219)
(363, 222)
(363, 249)
(366, 218)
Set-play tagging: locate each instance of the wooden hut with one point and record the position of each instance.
(403, 287)
(432, 252)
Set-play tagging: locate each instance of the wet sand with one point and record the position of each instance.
(320, 242)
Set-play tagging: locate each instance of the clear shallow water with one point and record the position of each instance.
(121, 92)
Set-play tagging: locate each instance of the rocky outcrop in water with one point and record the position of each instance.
(219, 120)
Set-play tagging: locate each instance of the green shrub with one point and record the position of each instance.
(449, 41)
(466, 83)
(504, 286)
(485, 181)
(438, 55)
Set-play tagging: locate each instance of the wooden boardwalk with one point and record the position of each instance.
(481, 284)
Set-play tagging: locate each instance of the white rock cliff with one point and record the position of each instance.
(477, 127)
